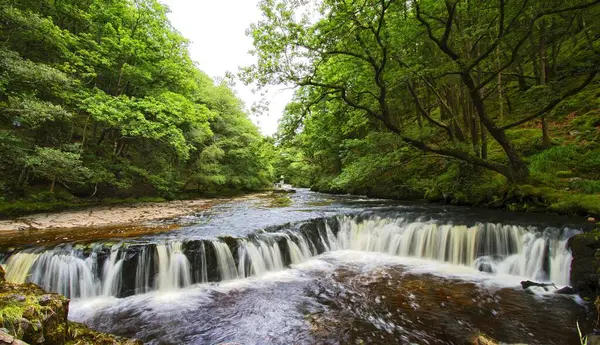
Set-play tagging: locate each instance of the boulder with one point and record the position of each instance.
(7, 339)
(32, 316)
(585, 267)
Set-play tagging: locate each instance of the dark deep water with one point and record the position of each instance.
(325, 270)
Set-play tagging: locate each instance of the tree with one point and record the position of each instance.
(115, 80)
(375, 56)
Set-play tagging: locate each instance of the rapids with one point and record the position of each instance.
(373, 270)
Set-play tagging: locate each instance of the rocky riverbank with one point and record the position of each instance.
(30, 315)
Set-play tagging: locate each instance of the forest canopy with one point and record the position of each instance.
(101, 98)
(459, 99)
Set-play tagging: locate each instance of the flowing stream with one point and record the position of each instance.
(327, 269)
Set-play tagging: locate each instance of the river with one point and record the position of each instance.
(324, 269)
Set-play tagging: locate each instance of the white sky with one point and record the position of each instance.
(216, 29)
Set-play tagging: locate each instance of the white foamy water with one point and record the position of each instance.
(510, 252)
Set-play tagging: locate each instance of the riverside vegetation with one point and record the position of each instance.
(463, 102)
(100, 100)
(469, 102)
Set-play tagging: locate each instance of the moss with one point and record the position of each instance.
(481, 339)
(10, 317)
(31, 314)
(80, 334)
(563, 202)
(527, 141)
(564, 174)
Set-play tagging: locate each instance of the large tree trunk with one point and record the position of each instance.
(518, 169)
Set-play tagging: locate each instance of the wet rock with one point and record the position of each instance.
(2, 274)
(86, 336)
(567, 290)
(528, 283)
(585, 267)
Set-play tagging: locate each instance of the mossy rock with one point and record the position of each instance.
(585, 267)
(37, 317)
(33, 315)
(80, 334)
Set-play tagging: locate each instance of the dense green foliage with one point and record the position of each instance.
(468, 101)
(101, 98)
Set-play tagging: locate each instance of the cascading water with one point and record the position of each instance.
(112, 273)
(143, 270)
(174, 267)
(123, 270)
(497, 248)
(225, 261)
(259, 258)
(65, 272)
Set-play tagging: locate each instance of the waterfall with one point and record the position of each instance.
(203, 265)
(66, 273)
(225, 261)
(259, 258)
(496, 248)
(173, 267)
(19, 265)
(112, 273)
(121, 270)
(299, 249)
(143, 271)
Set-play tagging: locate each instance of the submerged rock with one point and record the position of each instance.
(30, 315)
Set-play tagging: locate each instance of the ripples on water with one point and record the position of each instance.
(363, 271)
